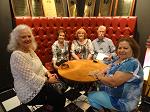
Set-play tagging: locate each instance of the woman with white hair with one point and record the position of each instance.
(32, 81)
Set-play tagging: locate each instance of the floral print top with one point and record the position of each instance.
(59, 53)
(82, 50)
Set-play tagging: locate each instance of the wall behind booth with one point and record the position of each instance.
(45, 28)
(6, 80)
(143, 26)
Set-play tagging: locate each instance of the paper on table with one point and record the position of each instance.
(101, 56)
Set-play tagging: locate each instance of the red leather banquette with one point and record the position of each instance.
(45, 28)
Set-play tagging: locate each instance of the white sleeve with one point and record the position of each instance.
(21, 67)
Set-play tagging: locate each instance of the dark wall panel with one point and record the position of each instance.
(143, 24)
(5, 28)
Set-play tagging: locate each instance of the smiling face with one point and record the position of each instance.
(101, 32)
(25, 40)
(81, 33)
(61, 37)
(124, 50)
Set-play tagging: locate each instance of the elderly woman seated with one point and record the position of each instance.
(81, 47)
(60, 50)
(32, 81)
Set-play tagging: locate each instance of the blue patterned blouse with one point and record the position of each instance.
(126, 96)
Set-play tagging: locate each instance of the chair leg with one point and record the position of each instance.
(33, 108)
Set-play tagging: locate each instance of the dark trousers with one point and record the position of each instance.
(49, 96)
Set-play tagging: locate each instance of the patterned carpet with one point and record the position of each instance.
(76, 101)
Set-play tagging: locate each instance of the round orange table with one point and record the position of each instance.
(79, 70)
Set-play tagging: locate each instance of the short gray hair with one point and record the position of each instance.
(14, 35)
(101, 27)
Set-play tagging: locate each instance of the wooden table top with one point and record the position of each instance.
(79, 70)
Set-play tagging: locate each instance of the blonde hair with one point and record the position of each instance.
(81, 29)
(14, 35)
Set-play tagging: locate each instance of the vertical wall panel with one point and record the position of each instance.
(5, 28)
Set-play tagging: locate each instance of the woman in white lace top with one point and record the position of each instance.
(32, 81)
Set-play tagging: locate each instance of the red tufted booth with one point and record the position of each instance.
(45, 28)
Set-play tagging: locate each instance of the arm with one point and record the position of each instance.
(116, 80)
(54, 59)
(73, 51)
(112, 48)
(91, 51)
(125, 72)
(75, 56)
(95, 48)
(54, 64)
(51, 78)
(21, 68)
(89, 56)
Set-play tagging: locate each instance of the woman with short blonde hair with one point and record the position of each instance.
(81, 47)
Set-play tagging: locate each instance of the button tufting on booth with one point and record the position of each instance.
(45, 28)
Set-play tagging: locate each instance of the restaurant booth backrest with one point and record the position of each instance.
(45, 28)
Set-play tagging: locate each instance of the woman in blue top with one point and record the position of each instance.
(121, 82)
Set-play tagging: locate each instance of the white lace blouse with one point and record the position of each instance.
(28, 73)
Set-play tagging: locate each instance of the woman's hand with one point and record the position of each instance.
(48, 74)
(104, 71)
(53, 78)
(109, 58)
(97, 74)
(89, 57)
(77, 57)
(56, 67)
